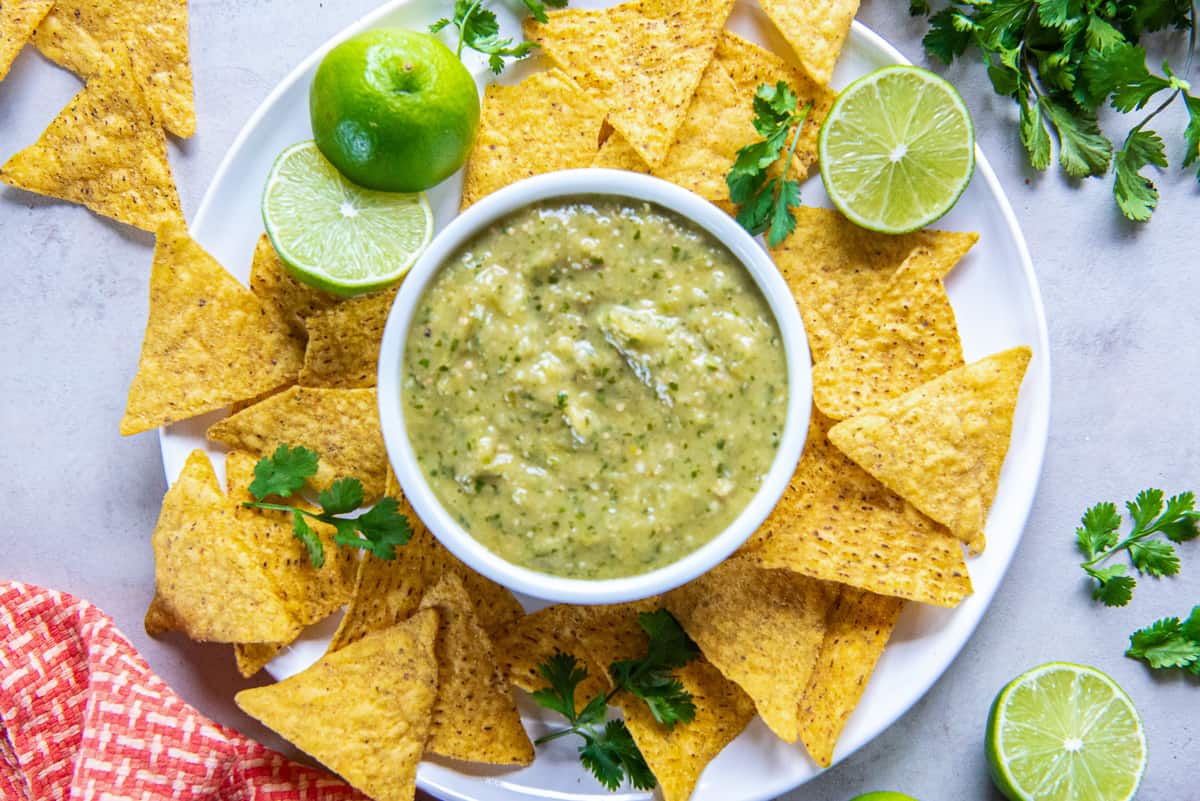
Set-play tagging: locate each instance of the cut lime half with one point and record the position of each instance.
(1064, 732)
(336, 235)
(897, 149)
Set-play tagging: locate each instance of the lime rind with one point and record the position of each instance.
(897, 150)
(336, 235)
(1065, 732)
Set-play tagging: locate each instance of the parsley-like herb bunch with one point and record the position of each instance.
(379, 530)
(1099, 539)
(1061, 61)
(608, 749)
(765, 204)
(479, 30)
(1169, 643)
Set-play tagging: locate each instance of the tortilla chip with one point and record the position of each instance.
(388, 591)
(76, 33)
(343, 342)
(341, 425)
(310, 593)
(748, 67)
(617, 154)
(252, 657)
(815, 29)
(676, 756)
(857, 631)
(209, 341)
(18, 18)
(103, 151)
(835, 268)
(275, 286)
(534, 639)
(901, 339)
(941, 446)
(474, 718)
(837, 523)
(641, 61)
(543, 124)
(207, 581)
(762, 629)
(363, 711)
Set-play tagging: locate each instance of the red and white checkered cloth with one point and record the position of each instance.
(83, 717)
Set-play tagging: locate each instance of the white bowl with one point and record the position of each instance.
(571, 184)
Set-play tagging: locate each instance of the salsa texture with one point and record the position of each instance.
(594, 388)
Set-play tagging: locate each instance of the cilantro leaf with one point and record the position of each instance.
(1154, 558)
(650, 678)
(1136, 195)
(342, 496)
(1120, 71)
(284, 472)
(1113, 587)
(1191, 134)
(304, 533)
(1145, 507)
(1099, 529)
(564, 673)
(479, 29)
(783, 222)
(611, 755)
(1163, 644)
(948, 37)
(1082, 148)
(1190, 628)
(918, 8)
(1034, 135)
(383, 527)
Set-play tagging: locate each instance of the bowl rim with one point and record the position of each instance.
(573, 184)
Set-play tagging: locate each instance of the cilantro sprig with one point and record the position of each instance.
(764, 203)
(608, 749)
(378, 530)
(1099, 539)
(1169, 643)
(479, 30)
(1062, 61)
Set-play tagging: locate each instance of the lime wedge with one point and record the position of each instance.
(897, 149)
(1064, 732)
(338, 236)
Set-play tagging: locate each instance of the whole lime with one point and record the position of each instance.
(394, 110)
(884, 795)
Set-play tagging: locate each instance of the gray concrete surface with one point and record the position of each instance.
(78, 501)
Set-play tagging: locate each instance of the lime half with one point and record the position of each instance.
(1064, 732)
(336, 235)
(897, 149)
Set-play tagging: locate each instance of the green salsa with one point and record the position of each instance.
(594, 388)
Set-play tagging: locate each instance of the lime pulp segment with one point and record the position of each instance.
(897, 149)
(1064, 732)
(336, 235)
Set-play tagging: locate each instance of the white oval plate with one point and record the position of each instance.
(998, 305)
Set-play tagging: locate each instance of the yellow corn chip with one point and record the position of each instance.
(309, 593)
(641, 61)
(617, 154)
(295, 301)
(474, 718)
(542, 124)
(676, 756)
(105, 152)
(343, 342)
(341, 425)
(901, 339)
(941, 446)
(837, 523)
(816, 30)
(535, 638)
(76, 34)
(762, 629)
(835, 268)
(386, 592)
(748, 67)
(857, 631)
(209, 341)
(207, 581)
(364, 711)
(18, 19)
